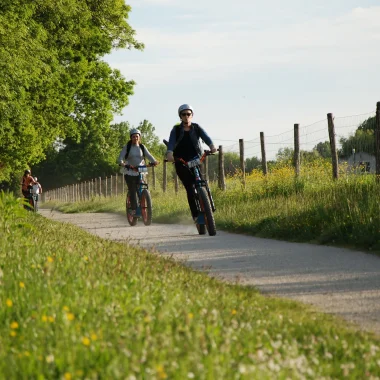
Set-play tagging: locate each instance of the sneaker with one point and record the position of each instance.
(195, 219)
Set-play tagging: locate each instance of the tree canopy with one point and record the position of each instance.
(54, 84)
(363, 140)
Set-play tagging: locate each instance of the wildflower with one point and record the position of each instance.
(70, 316)
(50, 259)
(65, 308)
(44, 318)
(190, 315)
(27, 353)
(86, 341)
(233, 312)
(67, 376)
(14, 325)
(161, 372)
(51, 319)
(22, 285)
(13, 333)
(49, 358)
(94, 336)
(9, 302)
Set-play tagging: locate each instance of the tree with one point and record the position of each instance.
(324, 149)
(54, 83)
(363, 140)
(151, 140)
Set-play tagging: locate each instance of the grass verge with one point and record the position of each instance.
(76, 306)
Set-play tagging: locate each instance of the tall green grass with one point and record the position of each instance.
(73, 306)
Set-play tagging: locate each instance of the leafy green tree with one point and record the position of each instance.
(151, 140)
(324, 149)
(363, 140)
(252, 163)
(54, 83)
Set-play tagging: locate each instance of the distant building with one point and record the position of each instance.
(362, 162)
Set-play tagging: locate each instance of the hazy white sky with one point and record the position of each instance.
(251, 65)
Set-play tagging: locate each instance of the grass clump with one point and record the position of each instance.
(76, 306)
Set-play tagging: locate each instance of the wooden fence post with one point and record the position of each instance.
(106, 190)
(221, 179)
(242, 161)
(377, 142)
(164, 179)
(334, 154)
(263, 154)
(111, 186)
(100, 186)
(297, 149)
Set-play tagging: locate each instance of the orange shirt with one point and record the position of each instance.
(27, 181)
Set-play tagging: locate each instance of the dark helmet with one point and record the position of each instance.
(27, 172)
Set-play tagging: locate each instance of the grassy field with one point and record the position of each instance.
(73, 306)
(313, 208)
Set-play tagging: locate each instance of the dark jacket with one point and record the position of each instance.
(196, 132)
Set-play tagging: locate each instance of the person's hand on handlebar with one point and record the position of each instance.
(170, 157)
(213, 149)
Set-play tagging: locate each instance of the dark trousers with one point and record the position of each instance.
(187, 180)
(133, 183)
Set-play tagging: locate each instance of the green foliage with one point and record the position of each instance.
(54, 83)
(363, 140)
(151, 140)
(324, 149)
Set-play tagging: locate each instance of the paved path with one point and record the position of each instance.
(336, 280)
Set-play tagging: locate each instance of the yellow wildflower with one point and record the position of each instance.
(190, 315)
(86, 341)
(51, 319)
(27, 353)
(14, 325)
(67, 376)
(233, 312)
(65, 308)
(22, 285)
(94, 336)
(13, 333)
(44, 318)
(70, 316)
(50, 259)
(161, 372)
(9, 302)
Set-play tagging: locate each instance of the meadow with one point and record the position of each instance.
(74, 306)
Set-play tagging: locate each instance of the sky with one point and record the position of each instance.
(248, 66)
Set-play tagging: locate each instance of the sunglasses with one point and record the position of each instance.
(186, 114)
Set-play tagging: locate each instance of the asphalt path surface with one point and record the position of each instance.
(335, 280)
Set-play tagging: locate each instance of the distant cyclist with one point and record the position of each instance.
(36, 188)
(27, 183)
(134, 154)
(184, 143)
